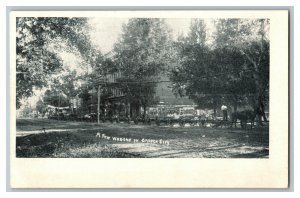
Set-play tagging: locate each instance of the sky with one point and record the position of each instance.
(105, 32)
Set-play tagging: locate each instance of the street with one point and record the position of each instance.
(83, 139)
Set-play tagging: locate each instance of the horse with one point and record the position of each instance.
(244, 117)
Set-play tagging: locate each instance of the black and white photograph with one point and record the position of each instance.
(160, 85)
(142, 87)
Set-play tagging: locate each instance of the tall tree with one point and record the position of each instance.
(35, 60)
(142, 55)
(234, 68)
(249, 38)
(195, 75)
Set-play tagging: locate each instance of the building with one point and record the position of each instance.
(113, 100)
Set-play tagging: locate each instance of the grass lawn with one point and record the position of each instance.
(79, 139)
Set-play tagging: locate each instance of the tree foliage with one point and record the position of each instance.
(142, 54)
(251, 39)
(34, 59)
(41, 106)
(66, 83)
(55, 98)
(194, 75)
(234, 69)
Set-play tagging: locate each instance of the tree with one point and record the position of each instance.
(34, 59)
(142, 55)
(55, 98)
(41, 107)
(250, 38)
(195, 74)
(65, 83)
(234, 68)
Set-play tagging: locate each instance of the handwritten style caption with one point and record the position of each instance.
(133, 140)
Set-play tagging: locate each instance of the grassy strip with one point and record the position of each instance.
(67, 145)
(93, 151)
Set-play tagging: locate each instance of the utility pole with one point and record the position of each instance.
(98, 106)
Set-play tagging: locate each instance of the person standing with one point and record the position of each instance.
(224, 109)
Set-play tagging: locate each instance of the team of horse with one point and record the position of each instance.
(244, 117)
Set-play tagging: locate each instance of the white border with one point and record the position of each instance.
(212, 192)
(171, 173)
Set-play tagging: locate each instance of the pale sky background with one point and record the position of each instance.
(107, 31)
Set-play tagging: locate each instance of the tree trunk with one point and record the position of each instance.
(259, 89)
(130, 110)
(127, 108)
(263, 112)
(144, 113)
(137, 110)
(235, 104)
(258, 110)
(215, 107)
(98, 107)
